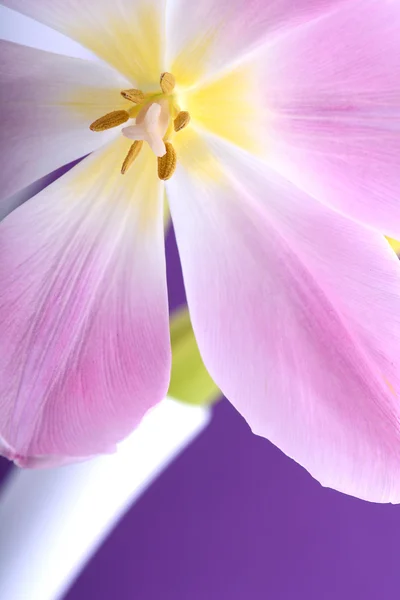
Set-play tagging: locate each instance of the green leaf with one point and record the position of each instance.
(190, 380)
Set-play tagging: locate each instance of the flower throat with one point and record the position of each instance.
(157, 116)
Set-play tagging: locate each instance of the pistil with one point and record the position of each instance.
(157, 117)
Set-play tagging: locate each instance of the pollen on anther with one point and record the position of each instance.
(167, 83)
(181, 120)
(132, 155)
(135, 96)
(112, 119)
(167, 163)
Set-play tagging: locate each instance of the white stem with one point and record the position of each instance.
(52, 521)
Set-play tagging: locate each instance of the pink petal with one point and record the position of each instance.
(47, 103)
(300, 321)
(206, 36)
(334, 87)
(37, 462)
(84, 336)
(128, 34)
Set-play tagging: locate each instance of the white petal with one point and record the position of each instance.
(47, 104)
(18, 28)
(128, 34)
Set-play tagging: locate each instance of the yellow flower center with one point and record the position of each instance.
(157, 116)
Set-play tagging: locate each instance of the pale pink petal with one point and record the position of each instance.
(128, 34)
(209, 35)
(84, 340)
(48, 102)
(334, 91)
(297, 314)
(20, 29)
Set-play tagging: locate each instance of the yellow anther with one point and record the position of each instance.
(167, 163)
(112, 119)
(132, 155)
(167, 82)
(181, 120)
(135, 96)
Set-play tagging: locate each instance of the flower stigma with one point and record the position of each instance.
(157, 116)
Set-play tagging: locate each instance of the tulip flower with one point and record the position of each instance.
(273, 128)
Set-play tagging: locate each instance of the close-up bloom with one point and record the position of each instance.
(272, 128)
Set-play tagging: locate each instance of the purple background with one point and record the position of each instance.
(235, 519)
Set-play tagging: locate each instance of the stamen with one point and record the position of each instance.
(167, 163)
(181, 120)
(167, 82)
(154, 120)
(132, 155)
(135, 96)
(112, 119)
